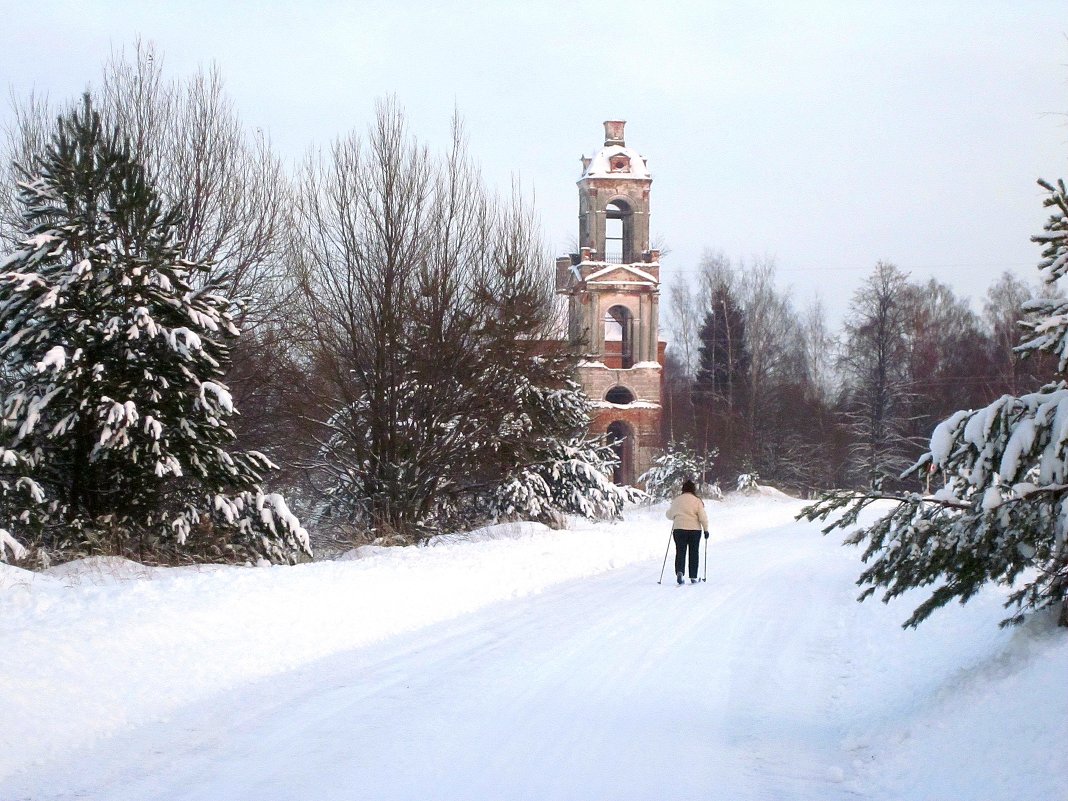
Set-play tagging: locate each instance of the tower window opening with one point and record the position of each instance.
(617, 233)
(613, 240)
(619, 337)
(620, 395)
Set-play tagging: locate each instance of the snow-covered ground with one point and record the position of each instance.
(522, 663)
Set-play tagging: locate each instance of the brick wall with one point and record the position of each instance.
(642, 417)
(643, 382)
(643, 424)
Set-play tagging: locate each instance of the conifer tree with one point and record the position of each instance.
(677, 463)
(722, 386)
(1001, 513)
(723, 357)
(561, 469)
(115, 427)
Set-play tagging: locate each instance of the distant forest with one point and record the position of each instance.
(758, 386)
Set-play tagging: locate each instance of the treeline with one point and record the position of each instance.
(768, 389)
(184, 322)
(206, 354)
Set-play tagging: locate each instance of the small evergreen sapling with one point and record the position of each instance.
(1001, 515)
(114, 427)
(747, 483)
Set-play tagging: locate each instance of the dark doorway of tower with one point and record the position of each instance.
(621, 439)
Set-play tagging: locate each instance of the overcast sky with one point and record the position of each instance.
(827, 135)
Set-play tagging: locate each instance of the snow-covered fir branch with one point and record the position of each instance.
(1000, 514)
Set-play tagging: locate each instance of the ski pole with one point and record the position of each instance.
(663, 566)
(705, 577)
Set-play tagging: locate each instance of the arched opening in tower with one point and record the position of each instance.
(620, 395)
(621, 439)
(619, 338)
(617, 233)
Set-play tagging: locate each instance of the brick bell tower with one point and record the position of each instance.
(612, 287)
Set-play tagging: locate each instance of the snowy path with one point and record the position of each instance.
(768, 682)
(613, 687)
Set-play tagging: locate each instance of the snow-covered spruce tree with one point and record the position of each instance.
(1001, 514)
(748, 483)
(114, 429)
(559, 468)
(676, 464)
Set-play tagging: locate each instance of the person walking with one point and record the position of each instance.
(688, 519)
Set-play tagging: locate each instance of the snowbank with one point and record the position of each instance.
(98, 570)
(992, 728)
(771, 492)
(12, 577)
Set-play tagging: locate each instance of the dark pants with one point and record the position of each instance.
(687, 540)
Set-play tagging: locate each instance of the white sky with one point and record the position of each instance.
(828, 135)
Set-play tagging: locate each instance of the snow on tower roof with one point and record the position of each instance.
(617, 161)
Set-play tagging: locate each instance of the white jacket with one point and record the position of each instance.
(688, 512)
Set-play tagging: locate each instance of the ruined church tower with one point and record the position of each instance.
(612, 287)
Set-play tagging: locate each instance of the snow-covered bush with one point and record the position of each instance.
(537, 462)
(747, 484)
(115, 417)
(575, 479)
(1002, 514)
(676, 464)
(9, 544)
(400, 496)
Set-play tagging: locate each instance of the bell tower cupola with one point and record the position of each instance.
(614, 200)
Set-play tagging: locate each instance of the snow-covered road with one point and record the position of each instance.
(768, 682)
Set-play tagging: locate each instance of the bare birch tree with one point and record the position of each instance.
(820, 349)
(874, 363)
(232, 189)
(429, 307)
(772, 336)
(683, 324)
(197, 150)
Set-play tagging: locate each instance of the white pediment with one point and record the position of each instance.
(620, 274)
